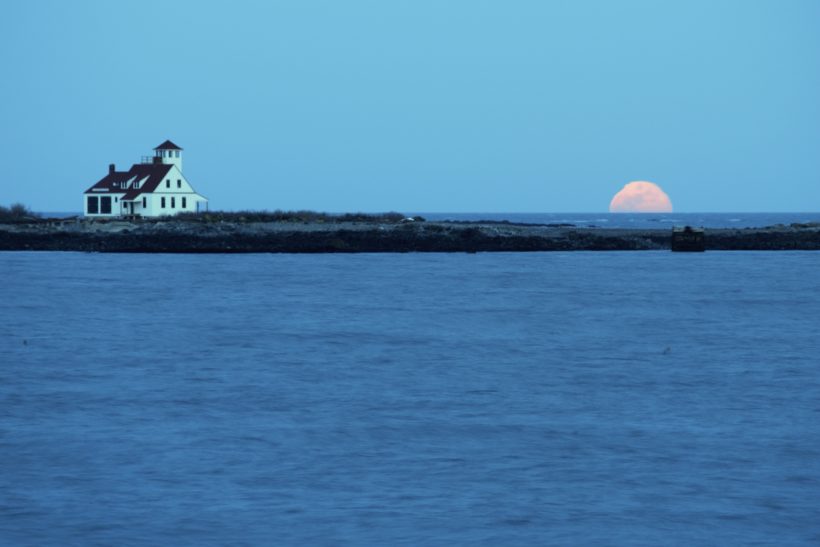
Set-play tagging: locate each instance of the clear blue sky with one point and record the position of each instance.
(417, 105)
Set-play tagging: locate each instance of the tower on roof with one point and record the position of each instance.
(168, 153)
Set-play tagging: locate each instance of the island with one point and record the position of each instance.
(308, 232)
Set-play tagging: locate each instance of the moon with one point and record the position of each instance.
(640, 196)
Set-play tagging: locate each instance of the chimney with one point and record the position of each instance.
(111, 169)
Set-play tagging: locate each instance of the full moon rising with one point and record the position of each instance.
(641, 197)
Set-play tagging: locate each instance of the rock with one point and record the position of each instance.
(356, 235)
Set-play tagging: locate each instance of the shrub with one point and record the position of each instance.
(17, 212)
(288, 216)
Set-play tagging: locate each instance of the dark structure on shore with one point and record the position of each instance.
(688, 240)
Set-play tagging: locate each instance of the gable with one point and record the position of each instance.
(174, 182)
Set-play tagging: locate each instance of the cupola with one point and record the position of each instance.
(168, 153)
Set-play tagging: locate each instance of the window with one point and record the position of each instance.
(116, 199)
(143, 203)
(167, 183)
(105, 205)
(179, 183)
(162, 202)
(176, 153)
(93, 207)
(184, 203)
(173, 202)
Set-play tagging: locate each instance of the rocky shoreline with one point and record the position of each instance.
(186, 236)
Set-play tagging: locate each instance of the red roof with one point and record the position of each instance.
(149, 174)
(167, 145)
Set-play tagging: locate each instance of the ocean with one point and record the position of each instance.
(584, 398)
(639, 220)
(613, 220)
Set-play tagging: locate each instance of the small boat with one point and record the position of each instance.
(688, 240)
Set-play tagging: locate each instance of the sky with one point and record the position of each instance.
(418, 105)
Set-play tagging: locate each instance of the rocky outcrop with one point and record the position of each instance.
(176, 236)
(764, 239)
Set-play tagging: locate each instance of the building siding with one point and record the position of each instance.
(174, 187)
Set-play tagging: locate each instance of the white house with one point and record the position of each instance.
(155, 187)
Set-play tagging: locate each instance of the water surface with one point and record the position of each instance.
(517, 399)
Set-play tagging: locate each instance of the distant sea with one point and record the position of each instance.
(616, 220)
(639, 220)
(583, 398)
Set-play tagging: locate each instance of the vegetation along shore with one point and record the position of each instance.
(311, 232)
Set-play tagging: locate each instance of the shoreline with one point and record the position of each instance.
(194, 236)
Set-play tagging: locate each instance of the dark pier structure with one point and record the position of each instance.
(688, 240)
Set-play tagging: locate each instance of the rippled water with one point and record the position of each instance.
(617, 220)
(499, 399)
(641, 220)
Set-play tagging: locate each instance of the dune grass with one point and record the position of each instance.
(289, 216)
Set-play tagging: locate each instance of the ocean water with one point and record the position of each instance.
(640, 220)
(618, 220)
(410, 399)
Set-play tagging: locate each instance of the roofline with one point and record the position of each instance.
(168, 145)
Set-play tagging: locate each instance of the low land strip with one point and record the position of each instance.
(363, 233)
